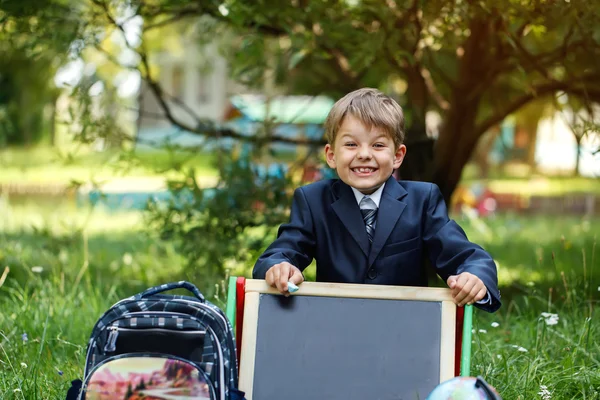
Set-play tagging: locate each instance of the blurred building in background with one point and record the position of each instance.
(198, 88)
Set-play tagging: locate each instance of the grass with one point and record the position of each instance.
(541, 186)
(46, 165)
(68, 265)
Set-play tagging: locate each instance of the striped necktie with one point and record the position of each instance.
(369, 213)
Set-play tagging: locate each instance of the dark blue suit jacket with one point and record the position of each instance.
(412, 226)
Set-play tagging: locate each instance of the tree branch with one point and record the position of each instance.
(174, 18)
(439, 71)
(537, 92)
(208, 128)
(431, 87)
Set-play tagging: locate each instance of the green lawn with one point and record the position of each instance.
(540, 186)
(45, 165)
(67, 265)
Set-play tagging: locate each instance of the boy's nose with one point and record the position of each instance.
(364, 153)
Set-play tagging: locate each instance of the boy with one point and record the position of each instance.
(366, 227)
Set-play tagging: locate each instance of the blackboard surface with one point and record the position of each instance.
(311, 347)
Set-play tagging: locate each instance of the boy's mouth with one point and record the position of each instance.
(363, 170)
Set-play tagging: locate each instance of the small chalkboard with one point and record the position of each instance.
(346, 341)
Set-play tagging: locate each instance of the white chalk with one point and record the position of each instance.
(292, 288)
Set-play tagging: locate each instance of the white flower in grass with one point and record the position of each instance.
(482, 331)
(545, 393)
(37, 269)
(23, 365)
(498, 356)
(495, 324)
(549, 318)
(519, 348)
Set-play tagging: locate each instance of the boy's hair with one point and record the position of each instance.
(372, 108)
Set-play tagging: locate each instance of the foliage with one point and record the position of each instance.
(222, 227)
(473, 63)
(35, 37)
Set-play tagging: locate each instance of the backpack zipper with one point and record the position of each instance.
(111, 342)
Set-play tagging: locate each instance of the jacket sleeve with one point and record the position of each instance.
(450, 251)
(295, 241)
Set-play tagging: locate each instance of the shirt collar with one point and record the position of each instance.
(375, 196)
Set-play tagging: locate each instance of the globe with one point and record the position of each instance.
(464, 388)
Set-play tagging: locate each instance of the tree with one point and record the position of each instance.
(473, 62)
(35, 37)
(580, 118)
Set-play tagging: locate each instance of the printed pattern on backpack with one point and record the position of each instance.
(189, 332)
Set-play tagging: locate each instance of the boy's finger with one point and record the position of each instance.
(284, 273)
(275, 276)
(451, 281)
(463, 292)
(269, 277)
(296, 277)
(471, 296)
(481, 294)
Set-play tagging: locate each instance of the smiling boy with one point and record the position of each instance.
(366, 227)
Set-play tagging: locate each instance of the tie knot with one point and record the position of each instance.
(367, 203)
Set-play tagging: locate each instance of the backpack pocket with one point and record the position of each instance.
(147, 376)
(186, 344)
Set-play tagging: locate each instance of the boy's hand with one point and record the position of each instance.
(280, 274)
(466, 288)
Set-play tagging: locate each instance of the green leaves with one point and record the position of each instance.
(222, 230)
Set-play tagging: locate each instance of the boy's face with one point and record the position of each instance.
(363, 158)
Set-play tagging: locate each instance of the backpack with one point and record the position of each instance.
(154, 345)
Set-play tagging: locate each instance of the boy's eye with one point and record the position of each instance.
(349, 144)
(379, 145)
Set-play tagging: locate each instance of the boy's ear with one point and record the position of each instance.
(329, 156)
(399, 156)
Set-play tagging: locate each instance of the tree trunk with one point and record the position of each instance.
(458, 136)
(531, 151)
(52, 122)
(418, 162)
(577, 155)
(455, 145)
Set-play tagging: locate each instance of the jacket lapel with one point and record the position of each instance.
(349, 214)
(390, 210)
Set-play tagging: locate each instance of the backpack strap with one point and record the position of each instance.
(75, 390)
(171, 286)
